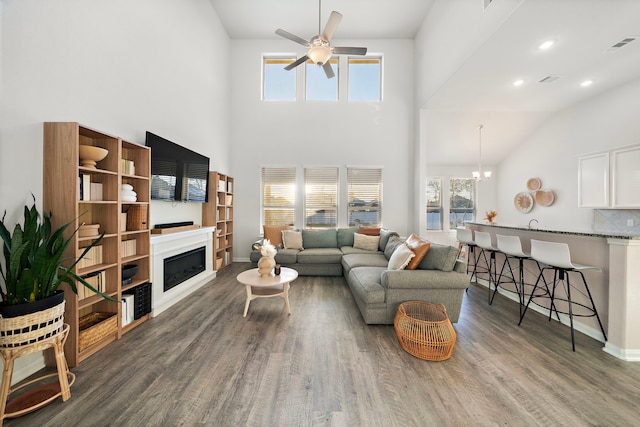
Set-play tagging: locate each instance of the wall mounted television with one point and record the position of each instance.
(177, 173)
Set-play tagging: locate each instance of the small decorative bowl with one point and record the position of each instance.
(129, 271)
(90, 155)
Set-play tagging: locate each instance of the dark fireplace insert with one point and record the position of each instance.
(184, 266)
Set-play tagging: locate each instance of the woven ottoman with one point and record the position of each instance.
(424, 330)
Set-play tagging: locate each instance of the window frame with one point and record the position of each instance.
(369, 176)
(325, 180)
(336, 80)
(274, 176)
(282, 59)
(365, 59)
(454, 221)
(435, 208)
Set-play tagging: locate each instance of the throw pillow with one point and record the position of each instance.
(368, 243)
(273, 233)
(439, 257)
(384, 237)
(400, 258)
(369, 231)
(292, 239)
(419, 247)
(392, 245)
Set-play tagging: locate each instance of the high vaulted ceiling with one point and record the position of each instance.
(479, 89)
(362, 19)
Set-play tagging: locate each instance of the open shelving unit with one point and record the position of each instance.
(95, 322)
(218, 212)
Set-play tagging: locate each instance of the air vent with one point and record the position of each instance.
(621, 43)
(549, 79)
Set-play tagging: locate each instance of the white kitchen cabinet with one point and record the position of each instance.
(610, 179)
(593, 181)
(625, 178)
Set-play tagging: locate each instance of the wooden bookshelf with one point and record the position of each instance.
(120, 245)
(218, 212)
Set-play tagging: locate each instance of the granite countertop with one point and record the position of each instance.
(588, 233)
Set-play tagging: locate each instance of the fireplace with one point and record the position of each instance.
(181, 263)
(184, 266)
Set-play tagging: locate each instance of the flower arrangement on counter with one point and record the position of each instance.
(491, 216)
(267, 249)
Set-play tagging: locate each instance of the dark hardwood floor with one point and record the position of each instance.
(202, 363)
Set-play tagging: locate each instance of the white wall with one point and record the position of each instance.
(320, 133)
(121, 67)
(601, 123)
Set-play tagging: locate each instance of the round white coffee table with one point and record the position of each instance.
(270, 286)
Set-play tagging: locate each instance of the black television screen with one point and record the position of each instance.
(177, 173)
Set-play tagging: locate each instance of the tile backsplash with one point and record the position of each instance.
(625, 221)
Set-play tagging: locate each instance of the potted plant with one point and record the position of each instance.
(33, 266)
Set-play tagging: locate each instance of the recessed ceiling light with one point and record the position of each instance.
(586, 83)
(518, 82)
(546, 45)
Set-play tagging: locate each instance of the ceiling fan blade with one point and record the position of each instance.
(295, 64)
(332, 25)
(328, 70)
(292, 37)
(338, 50)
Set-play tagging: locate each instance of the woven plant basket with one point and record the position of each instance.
(30, 328)
(424, 330)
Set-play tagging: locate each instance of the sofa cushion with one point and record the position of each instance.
(287, 256)
(384, 237)
(369, 231)
(320, 238)
(273, 233)
(439, 257)
(419, 248)
(400, 258)
(320, 256)
(362, 241)
(292, 239)
(364, 282)
(394, 242)
(352, 250)
(345, 236)
(367, 259)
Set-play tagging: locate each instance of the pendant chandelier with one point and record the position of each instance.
(480, 175)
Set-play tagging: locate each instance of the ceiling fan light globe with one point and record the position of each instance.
(319, 54)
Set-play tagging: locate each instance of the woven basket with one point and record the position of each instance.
(96, 326)
(137, 217)
(30, 328)
(424, 330)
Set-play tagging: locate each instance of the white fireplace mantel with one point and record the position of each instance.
(170, 244)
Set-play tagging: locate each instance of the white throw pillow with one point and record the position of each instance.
(368, 243)
(400, 258)
(292, 239)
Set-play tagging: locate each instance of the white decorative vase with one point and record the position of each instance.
(265, 266)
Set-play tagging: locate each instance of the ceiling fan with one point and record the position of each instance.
(319, 49)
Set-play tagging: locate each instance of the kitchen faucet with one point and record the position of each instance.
(533, 219)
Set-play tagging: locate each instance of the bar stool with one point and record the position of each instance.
(557, 257)
(465, 237)
(511, 247)
(483, 240)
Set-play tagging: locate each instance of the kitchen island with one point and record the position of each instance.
(615, 291)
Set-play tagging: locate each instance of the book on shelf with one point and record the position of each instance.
(128, 248)
(84, 182)
(128, 308)
(127, 167)
(96, 279)
(95, 191)
(93, 257)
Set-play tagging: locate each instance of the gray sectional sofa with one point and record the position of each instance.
(439, 278)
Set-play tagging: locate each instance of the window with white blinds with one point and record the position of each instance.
(278, 196)
(321, 197)
(364, 186)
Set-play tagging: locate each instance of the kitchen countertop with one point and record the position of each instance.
(587, 233)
